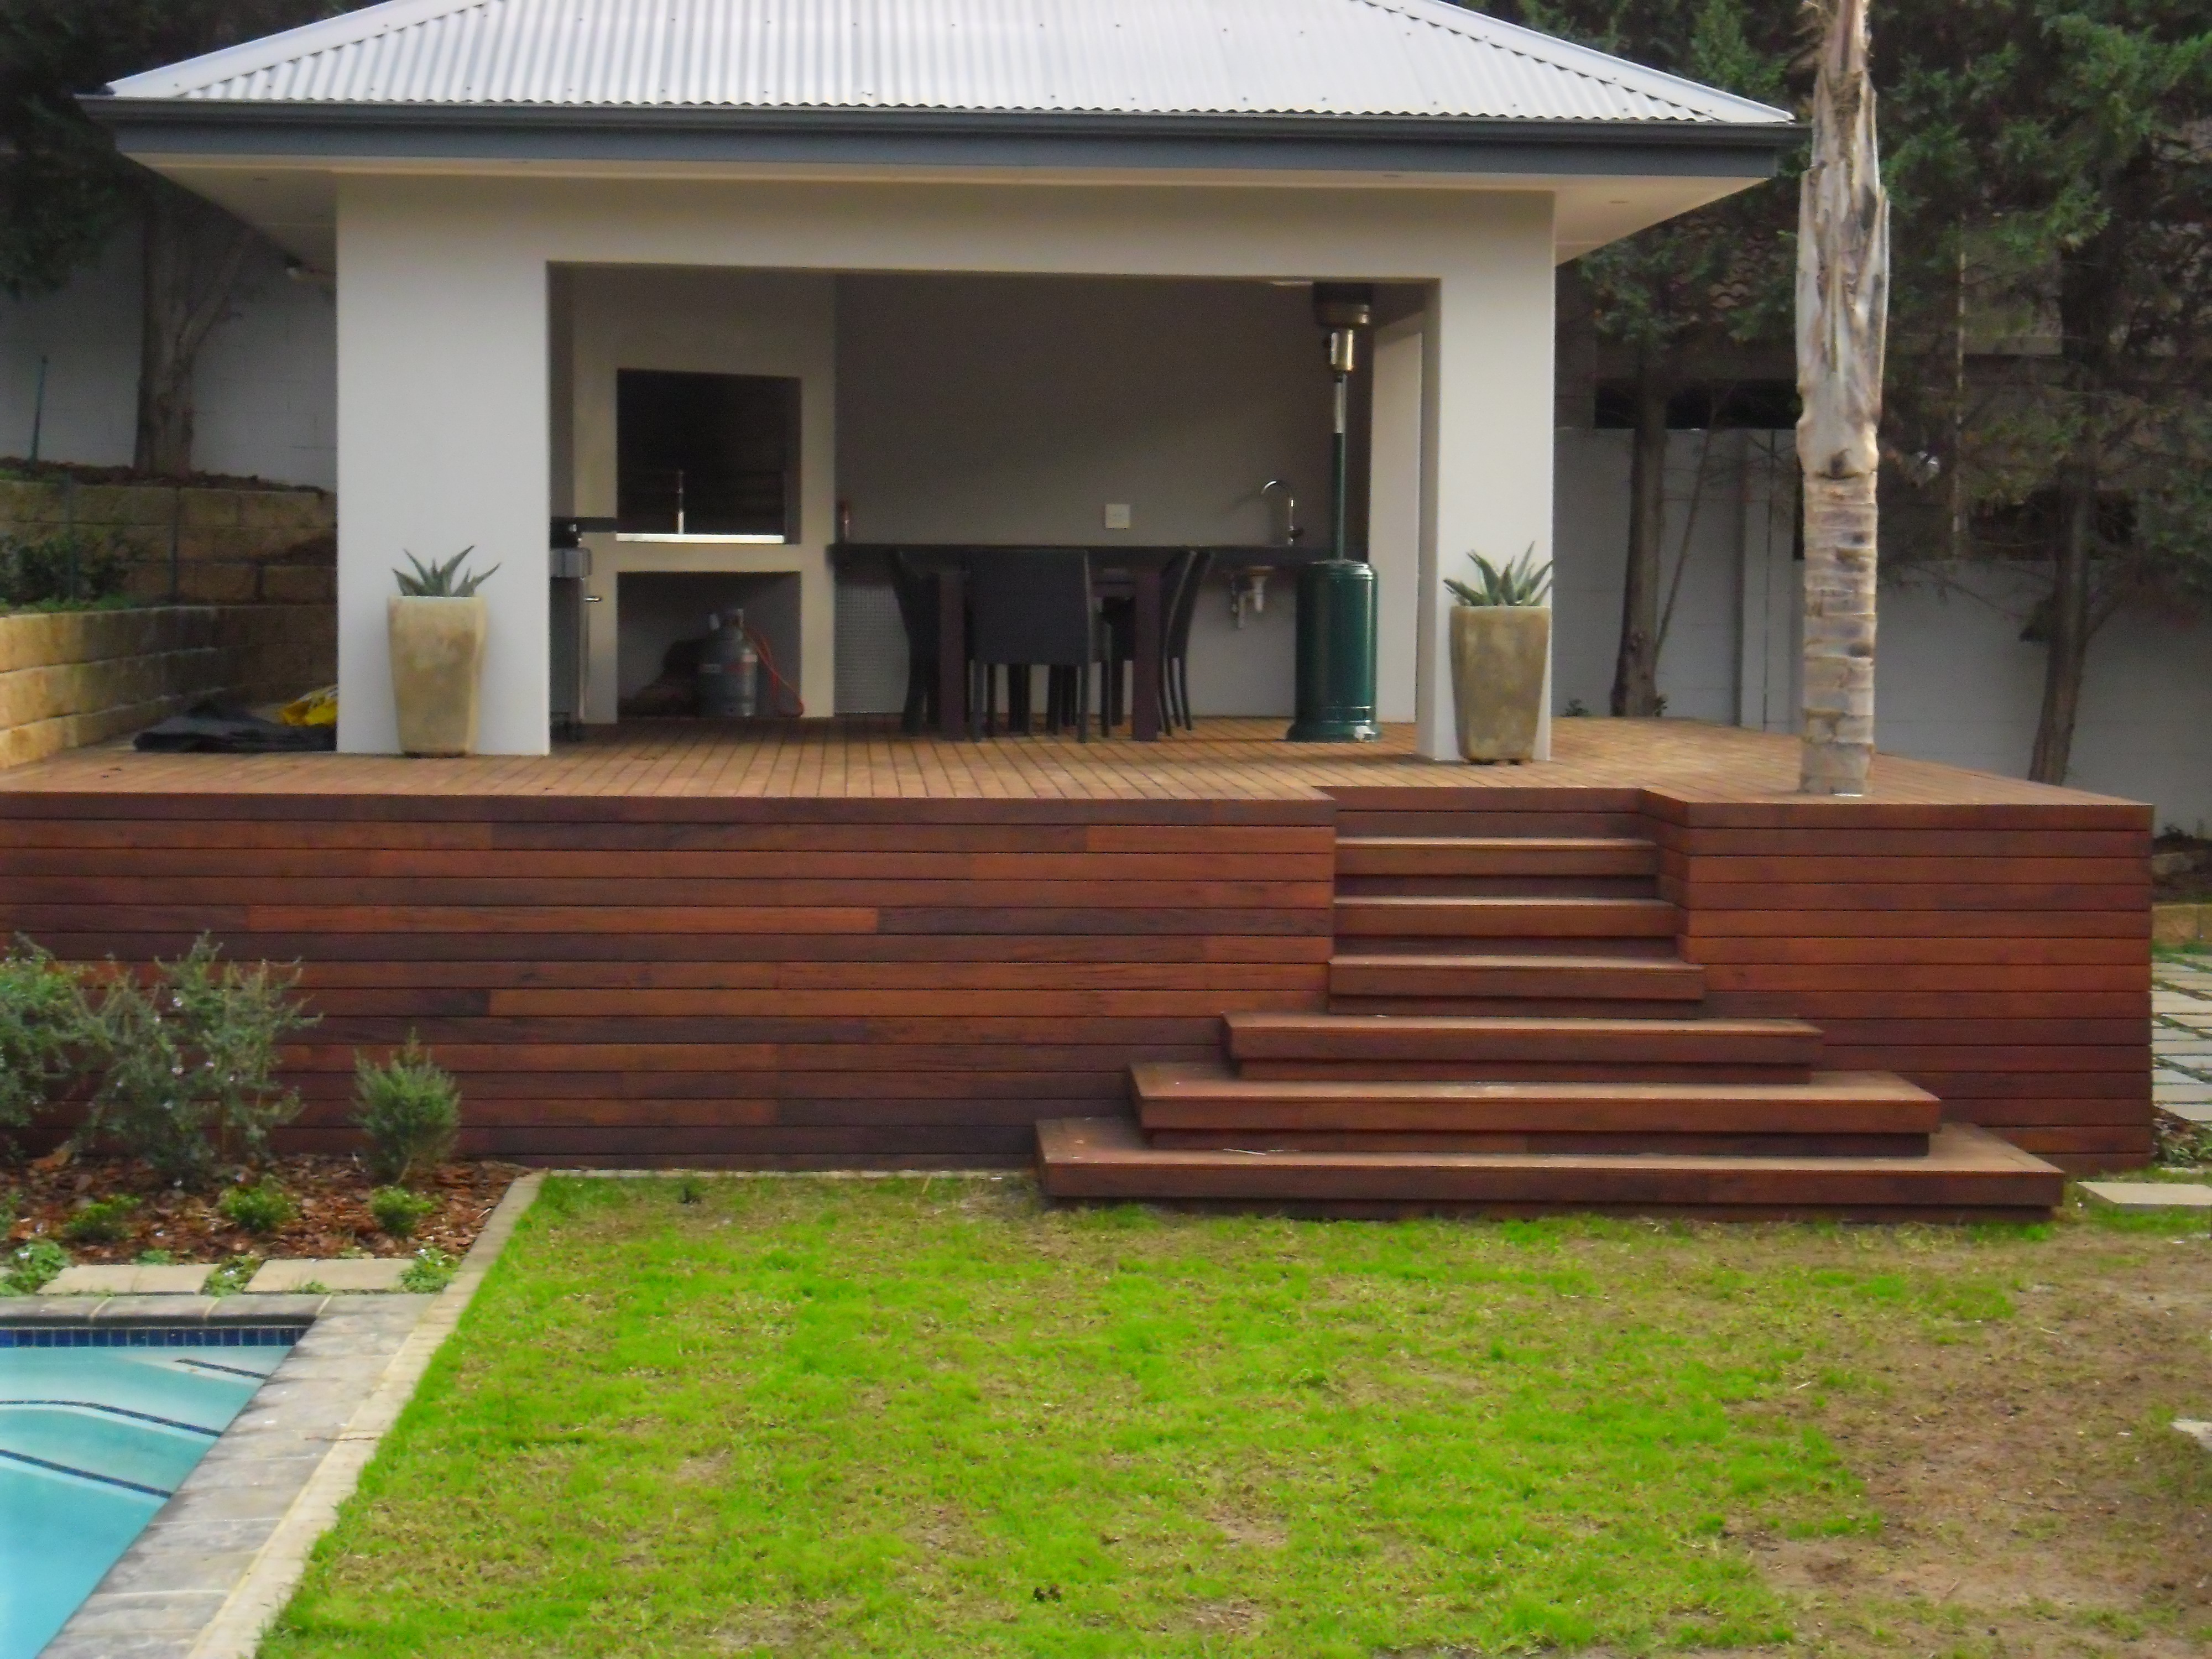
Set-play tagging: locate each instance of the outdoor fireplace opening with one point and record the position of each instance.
(710, 455)
(666, 627)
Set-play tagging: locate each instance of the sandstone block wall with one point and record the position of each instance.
(82, 677)
(190, 544)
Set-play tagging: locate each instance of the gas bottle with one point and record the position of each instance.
(729, 670)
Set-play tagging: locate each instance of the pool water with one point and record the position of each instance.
(97, 1428)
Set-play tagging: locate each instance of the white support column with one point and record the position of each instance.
(1393, 514)
(1486, 464)
(443, 443)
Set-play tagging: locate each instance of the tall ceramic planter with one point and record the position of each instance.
(437, 667)
(1498, 654)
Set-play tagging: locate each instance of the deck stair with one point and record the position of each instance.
(1511, 1028)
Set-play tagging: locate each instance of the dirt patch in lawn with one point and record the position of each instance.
(2034, 1498)
(331, 1194)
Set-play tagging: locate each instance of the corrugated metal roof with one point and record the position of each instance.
(1319, 57)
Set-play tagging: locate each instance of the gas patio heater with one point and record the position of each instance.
(1336, 595)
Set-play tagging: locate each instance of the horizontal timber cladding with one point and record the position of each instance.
(627, 980)
(1997, 955)
(802, 978)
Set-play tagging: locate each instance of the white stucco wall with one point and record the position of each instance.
(265, 382)
(444, 389)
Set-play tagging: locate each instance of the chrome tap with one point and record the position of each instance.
(1292, 530)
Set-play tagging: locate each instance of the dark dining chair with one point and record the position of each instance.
(916, 588)
(1175, 646)
(1179, 584)
(1028, 607)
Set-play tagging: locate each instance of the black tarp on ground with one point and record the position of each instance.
(214, 728)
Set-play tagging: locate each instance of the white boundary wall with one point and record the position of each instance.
(266, 380)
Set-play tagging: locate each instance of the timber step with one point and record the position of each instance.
(1206, 1095)
(1540, 979)
(1503, 916)
(1759, 1049)
(1496, 856)
(1968, 1173)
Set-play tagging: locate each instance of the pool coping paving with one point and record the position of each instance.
(214, 1567)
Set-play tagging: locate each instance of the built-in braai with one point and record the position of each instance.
(706, 454)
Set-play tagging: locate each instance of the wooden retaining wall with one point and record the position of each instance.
(638, 981)
(1996, 954)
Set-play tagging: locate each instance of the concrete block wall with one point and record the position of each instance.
(193, 546)
(75, 678)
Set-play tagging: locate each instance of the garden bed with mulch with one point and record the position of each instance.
(332, 1216)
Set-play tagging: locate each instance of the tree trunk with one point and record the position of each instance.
(1635, 669)
(1842, 304)
(193, 255)
(1840, 522)
(2088, 290)
(2068, 651)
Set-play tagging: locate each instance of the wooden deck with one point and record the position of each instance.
(869, 759)
(833, 943)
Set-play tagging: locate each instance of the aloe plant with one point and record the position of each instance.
(1521, 582)
(442, 581)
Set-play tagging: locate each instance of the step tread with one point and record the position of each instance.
(1647, 965)
(1965, 1170)
(1761, 1025)
(1561, 916)
(1207, 1094)
(1477, 1040)
(1353, 973)
(1478, 855)
(1479, 902)
(1576, 843)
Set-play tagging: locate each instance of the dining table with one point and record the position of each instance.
(1135, 572)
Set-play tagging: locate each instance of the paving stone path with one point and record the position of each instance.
(2181, 1038)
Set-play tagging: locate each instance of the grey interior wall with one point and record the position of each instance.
(265, 385)
(1015, 409)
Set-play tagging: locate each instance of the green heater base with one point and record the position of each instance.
(1336, 654)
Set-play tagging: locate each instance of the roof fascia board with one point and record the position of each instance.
(175, 128)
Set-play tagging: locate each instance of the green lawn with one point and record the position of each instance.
(910, 1418)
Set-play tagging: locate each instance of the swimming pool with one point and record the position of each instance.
(97, 1429)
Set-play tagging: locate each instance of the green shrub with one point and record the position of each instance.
(260, 1208)
(410, 1110)
(45, 1033)
(190, 1064)
(156, 1258)
(101, 1221)
(29, 1268)
(430, 1272)
(398, 1211)
(66, 568)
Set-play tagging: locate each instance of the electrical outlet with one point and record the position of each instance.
(1117, 515)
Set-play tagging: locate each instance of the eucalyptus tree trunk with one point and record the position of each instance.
(1842, 304)
(193, 255)
(1636, 668)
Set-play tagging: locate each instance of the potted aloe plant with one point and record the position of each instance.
(1501, 638)
(438, 627)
